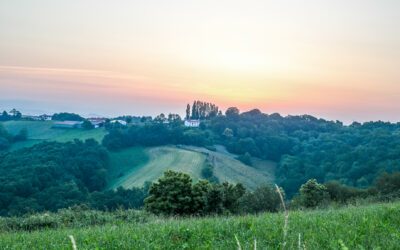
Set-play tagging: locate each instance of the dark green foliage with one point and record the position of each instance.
(87, 125)
(67, 117)
(5, 116)
(313, 194)
(343, 194)
(12, 115)
(175, 194)
(388, 184)
(6, 139)
(304, 147)
(232, 113)
(4, 143)
(207, 172)
(21, 136)
(246, 159)
(262, 199)
(118, 199)
(171, 195)
(51, 175)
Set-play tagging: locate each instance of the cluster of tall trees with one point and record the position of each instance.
(202, 110)
(67, 117)
(12, 115)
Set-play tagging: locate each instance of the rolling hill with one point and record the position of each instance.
(39, 131)
(134, 166)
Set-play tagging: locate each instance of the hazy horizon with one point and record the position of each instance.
(336, 60)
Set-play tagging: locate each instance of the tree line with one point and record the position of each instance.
(52, 175)
(304, 147)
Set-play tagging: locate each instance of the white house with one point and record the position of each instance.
(192, 123)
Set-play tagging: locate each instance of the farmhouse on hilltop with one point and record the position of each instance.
(192, 123)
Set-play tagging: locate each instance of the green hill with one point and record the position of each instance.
(42, 130)
(134, 166)
(364, 227)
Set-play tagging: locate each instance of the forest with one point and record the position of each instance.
(51, 175)
(304, 147)
(318, 162)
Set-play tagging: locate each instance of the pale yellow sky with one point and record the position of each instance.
(335, 59)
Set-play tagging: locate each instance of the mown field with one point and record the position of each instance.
(366, 227)
(134, 166)
(39, 131)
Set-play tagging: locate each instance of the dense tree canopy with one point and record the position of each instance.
(304, 147)
(6, 138)
(176, 194)
(67, 117)
(51, 175)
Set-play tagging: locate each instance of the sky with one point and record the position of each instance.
(335, 59)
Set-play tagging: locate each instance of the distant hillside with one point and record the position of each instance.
(39, 131)
(134, 166)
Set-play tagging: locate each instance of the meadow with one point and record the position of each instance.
(39, 131)
(132, 167)
(362, 227)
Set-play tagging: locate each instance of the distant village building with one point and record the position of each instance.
(123, 123)
(67, 124)
(192, 123)
(45, 117)
(37, 117)
(97, 122)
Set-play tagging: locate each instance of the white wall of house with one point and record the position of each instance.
(192, 123)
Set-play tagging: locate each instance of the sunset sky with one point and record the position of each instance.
(336, 59)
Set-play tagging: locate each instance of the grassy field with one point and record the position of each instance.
(39, 131)
(368, 227)
(134, 166)
(139, 165)
(227, 168)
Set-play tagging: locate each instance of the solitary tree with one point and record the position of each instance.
(171, 195)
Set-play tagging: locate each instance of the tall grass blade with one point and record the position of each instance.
(73, 242)
(286, 222)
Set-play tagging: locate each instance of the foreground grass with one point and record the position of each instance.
(368, 227)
